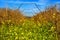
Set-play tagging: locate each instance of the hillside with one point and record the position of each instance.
(51, 14)
(14, 16)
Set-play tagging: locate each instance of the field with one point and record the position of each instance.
(43, 26)
(28, 31)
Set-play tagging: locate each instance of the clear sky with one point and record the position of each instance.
(28, 9)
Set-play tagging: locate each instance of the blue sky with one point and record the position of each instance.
(28, 9)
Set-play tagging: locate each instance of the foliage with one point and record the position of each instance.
(29, 30)
(14, 15)
(50, 14)
(15, 26)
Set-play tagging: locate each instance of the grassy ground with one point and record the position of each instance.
(29, 30)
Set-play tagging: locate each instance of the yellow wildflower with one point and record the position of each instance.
(3, 22)
(15, 33)
(16, 37)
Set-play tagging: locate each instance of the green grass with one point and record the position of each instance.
(29, 30)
